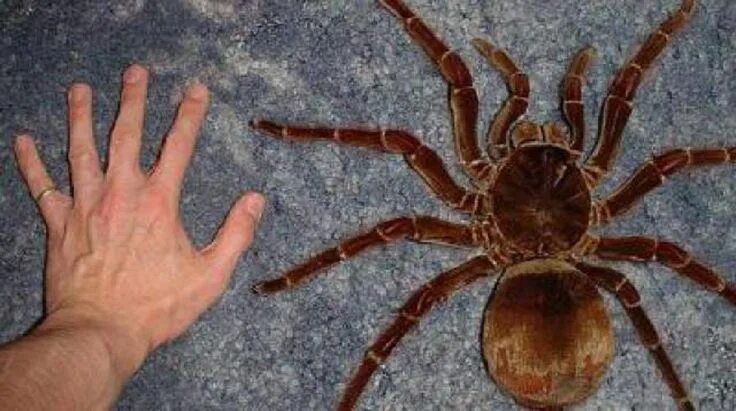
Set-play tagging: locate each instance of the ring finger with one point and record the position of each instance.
(83, 158)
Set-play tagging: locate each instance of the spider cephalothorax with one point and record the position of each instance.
(547, 338)
(540, 202)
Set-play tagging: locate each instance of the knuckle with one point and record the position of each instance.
(102, 215)
(157, 200)
(175, 139)
(183, 128)
(87, 263)
(248, 236)
(247, 231)
(122, 136)
(81, 155)
(112, 203)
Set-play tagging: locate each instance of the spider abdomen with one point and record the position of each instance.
(540, 200)
(547, 337)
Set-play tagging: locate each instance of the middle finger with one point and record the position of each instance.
(125, 141)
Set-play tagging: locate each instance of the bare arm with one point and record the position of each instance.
(69, 362)
(122, 276)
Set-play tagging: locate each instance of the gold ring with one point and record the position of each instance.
(43, 193)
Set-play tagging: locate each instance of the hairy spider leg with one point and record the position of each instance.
(618, 104)
(463, 96)
(420, 303)
(572, 97)
(653, 174)
(419, 229)
(421, 158)
(515, 106)
(638, 248)
(628, 296)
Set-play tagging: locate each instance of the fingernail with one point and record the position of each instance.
(21, 141)
(197, 91)
(133, 74)
(254, 205)
(78, 92)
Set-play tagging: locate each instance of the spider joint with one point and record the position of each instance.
(341, 253)
(688, 259)
(383, 139)
(621, 284)
(445, 55)
(576, 76)
(729, 157)
(636, 66)
(371, 355)
(410, 317)
(662, 176)
(601, 214)
(633, 304)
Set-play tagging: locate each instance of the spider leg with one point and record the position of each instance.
(652, 174)
(572, 97)
(421, 158)
(420, 303)
(628, 296)
(419, 229)
(619, 102)
(517, 103)
(463, 97)
(669, 254)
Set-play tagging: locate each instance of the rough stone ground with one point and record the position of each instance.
(349, 62)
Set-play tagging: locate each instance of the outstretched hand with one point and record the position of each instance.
(118, 258)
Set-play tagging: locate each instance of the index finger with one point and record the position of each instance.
(179, 143)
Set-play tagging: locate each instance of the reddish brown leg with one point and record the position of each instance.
(463, 97)
(421, 158)
(420, 229)
(572, 97)
(434, 292)
(618, 104)
(517, 103)
(652, 174)
(628, 296)
(666, 253)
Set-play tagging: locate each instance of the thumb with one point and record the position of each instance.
(235, 235)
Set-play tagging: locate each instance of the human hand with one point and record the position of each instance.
(118, 258)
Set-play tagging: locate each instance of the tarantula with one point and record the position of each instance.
(546, 336)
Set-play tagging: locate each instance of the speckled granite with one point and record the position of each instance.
(349, 62)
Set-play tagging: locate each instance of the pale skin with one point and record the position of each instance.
(122, 276)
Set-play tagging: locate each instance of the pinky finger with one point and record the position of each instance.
(53, 204)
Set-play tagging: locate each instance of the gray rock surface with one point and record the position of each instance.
(349, 62)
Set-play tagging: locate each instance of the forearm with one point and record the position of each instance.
(65, 364)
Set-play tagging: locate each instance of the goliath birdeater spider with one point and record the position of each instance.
(546, 337)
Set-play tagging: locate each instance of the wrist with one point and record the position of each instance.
(123, 347)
